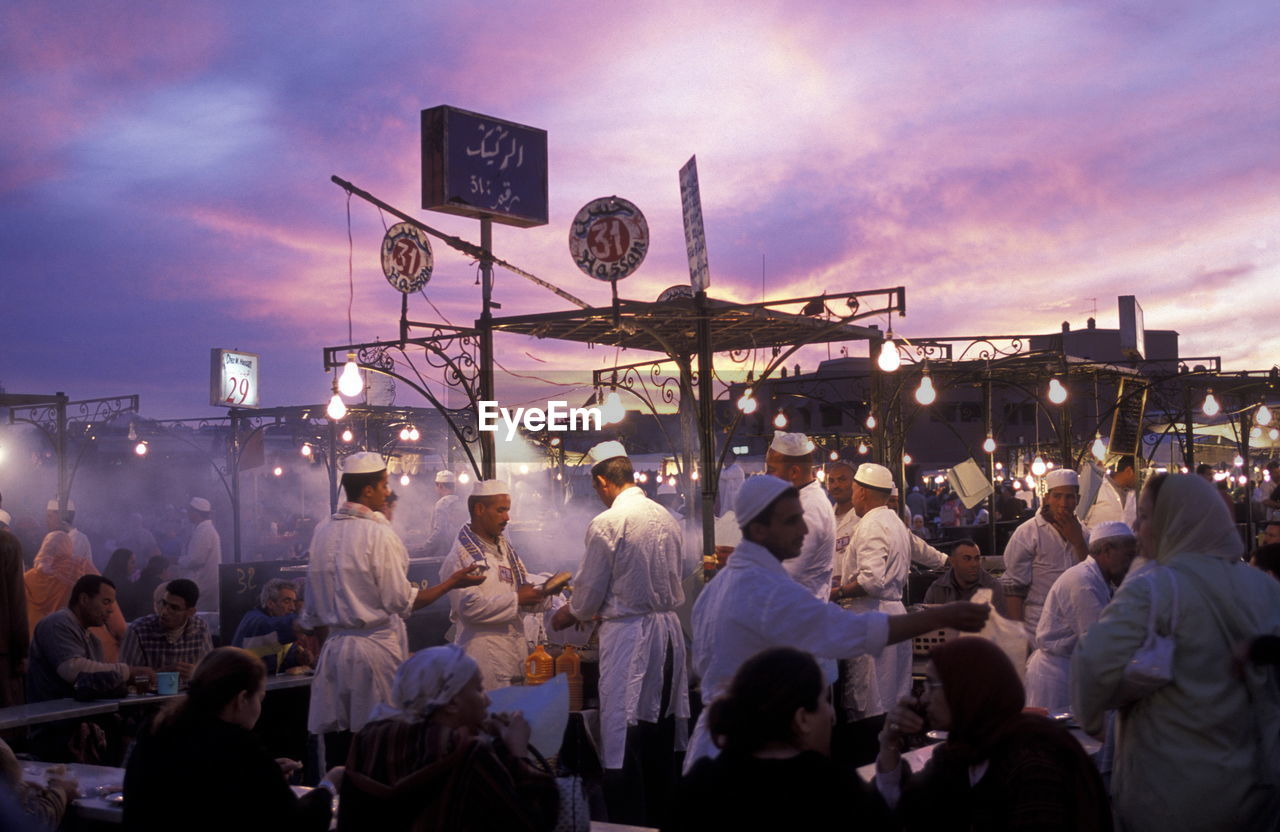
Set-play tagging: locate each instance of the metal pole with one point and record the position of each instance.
(1189, 451)
(1251, 529)
(708, 475)
(991, 474)
(233, 463)
(332, 459)
(488, 464)
(62, 453)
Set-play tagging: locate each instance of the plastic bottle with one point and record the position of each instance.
(539, 667)
(570, 664)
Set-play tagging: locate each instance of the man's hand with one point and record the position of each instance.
(1069, 527)
(514, 731)
(146, 674)
(964, 616)
(529, 594)
(185, 669)
(67, 784)
(464, 578)
(563, 619)
(288, 767)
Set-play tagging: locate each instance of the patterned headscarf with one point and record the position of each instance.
(429, 679)
(56, 557)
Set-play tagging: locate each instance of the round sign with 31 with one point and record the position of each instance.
(406, 257)
(609, 238)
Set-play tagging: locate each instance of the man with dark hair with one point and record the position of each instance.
(173, 638)
(965, 576)
(14, 633)
(358, 590)
(63, 648)
(1267, 556)
(753, 605)
(1117, 500)
(630, 579)
(1205, 470)
(790, 458)
(1271, 532)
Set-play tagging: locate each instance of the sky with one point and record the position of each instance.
(164, 171)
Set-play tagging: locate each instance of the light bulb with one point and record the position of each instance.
(939, 480)
(906, 459)
(350, 383)
(1242, 479)
(821, 475)
(989, 445)
(833, 456)
(404, 434)
(780, 421)
(337, 408)
(1057, 393)
(140, 449)
(871, 422)
(694, 476)
(644, 477)
(1273, 434)
(1238, 461)
(305, 450)
(925, 393)
(278, 471)
(524, 469)
(464, 478)
(414, 435)
(999, 466)
(1038, 467)
(1049, 465)
(347, 435)
(1210, 406)
(1099, 449)
(862, 448)
(889, 360)
(1255, 433)
(748, 404)
(999, 477)
(1264, 415)
(404, 479)
(613, 411)
(1031, 483)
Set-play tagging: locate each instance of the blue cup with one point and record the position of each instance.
(167, 683)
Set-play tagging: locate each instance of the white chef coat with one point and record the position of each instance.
(921, 552)
(731, 479)
(1074, 603)
(488, 617)
(200, 563)
(1033, 559)
(879, 557)
(753, 605)
(450, 514)
(1112, 504)
(812, 570)
(358, 587)
(630, 578)
(845, 524)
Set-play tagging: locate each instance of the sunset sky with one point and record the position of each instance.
(164, 170)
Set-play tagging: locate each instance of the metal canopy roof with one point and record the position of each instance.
(670, 327)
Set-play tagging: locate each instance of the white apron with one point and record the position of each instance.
(354, 674)
(632, 657)
(1049, 681)
(874, 684)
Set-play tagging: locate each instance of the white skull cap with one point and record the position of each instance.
(1112, 528)
(364, 462)
(757, 494)
(607, 450)
(200, 504)
(873, 475)
(445, 476)
(490, 488)
(791, 444)
(1059, 477)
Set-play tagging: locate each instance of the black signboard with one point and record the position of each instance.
(1126, 422)
(478, 166)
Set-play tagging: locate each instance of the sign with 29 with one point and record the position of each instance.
(233, 379)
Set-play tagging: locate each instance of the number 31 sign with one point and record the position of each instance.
(609, 238)
(233, 379)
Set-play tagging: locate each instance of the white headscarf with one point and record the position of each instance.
(429, 679)
(1191, 519)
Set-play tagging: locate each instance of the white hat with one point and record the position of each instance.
(1112, 528)
(53, 505)
(364, 462)
(791, 444)
(1059, 477)
(445, 476)
(200, 504)
(5, 518)
(490, 488)
(871, 475)
(757, 494)
(607, 450)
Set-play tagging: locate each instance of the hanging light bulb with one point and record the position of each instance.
(989, 445)
(925, 393)
(1099, 448)
(1057, 393)
(833, 456)
(1255, 433)
(404, 479)
(821, 475)
(1273, 434)
(871, 422)
(1038, 467)
(1242, 479)
(641, 476)
(1031, 482)
(305, 450)
(1263, 415)
(694, 476)
(337, 407)
(413, 434)
(862, 448)
(278, 471)
(1238, 461)
(889, 360)
(524, 469)
(464, 478)
(906, 459)
(140, 449)
(613, 411)
(1210, 406)
(780, 421)
(404, 434)
(347, 435)
(350, 384)
(999, 466)
(1049, 465)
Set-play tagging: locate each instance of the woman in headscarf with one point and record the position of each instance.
(49, 583)
(999, 768)
(434, 759)
(1200, 752)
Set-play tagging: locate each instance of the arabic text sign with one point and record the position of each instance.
(233, 379)
(695, 237)
(609, 238)
(477, 166)
(406, 257)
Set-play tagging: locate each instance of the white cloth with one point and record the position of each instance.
(630, 578)
(449, 515)
(813, 568)
(753, 605)
(879, 558)
(80, 546)
(358, 586)
(845, 524)
(488, 620)
(731, 478)
(1113, 504)
(921, 552)
(200, 563)
(1033, 559)
(1074, 603)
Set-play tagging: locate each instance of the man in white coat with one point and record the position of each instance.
(1042, 548)
(839, 484)
(790, 458)
(1117, 498)
(1074, 603)
(203, 555)
(630, 578)
(753, 605)
(874, 575)
(449, 515)
(488, 616)
(358, 590)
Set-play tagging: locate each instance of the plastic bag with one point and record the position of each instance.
(1009, 635)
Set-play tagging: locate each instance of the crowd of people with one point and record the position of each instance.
(1139, 618)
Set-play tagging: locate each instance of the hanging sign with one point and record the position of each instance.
(233, 379)
(406, 257)
(695, 236)
(609, 238)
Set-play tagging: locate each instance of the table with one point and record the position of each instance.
(91, 805)
(52, 710)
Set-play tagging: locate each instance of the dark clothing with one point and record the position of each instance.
(1038, 777)
(204, 774)
(60, 638)
(422, 776)
(945, 590)
(807, 791)
(257, 623)
(138, 598)
(14, 632)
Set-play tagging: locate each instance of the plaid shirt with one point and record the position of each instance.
(147, 644)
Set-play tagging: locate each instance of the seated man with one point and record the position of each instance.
(62, 647)
(965, 576)
(276, 616)
(172, 637)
